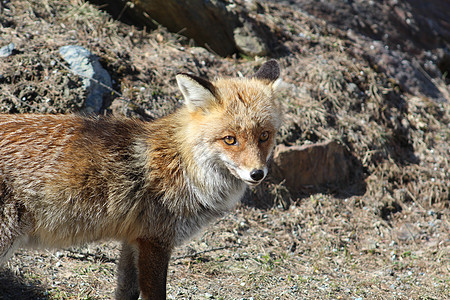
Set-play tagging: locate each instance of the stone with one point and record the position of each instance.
(249, 42)
(311, 166)
(96, 79)
(7, 50)
(222, 27)
(209, 23)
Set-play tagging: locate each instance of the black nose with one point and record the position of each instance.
(257, 175)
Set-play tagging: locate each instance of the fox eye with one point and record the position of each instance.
(230, 140)
(264, 136)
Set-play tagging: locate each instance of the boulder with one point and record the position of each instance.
(311, 167)
(209, 23)
(220, 26)
(96, 80)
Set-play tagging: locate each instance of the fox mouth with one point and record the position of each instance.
(252, 182)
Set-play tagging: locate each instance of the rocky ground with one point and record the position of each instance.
(384, 233)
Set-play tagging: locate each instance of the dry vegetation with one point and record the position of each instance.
(385, 236)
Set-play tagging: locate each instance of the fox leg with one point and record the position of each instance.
(15, 223)
(127, 282)
(14, 226)
(153, 261)
(8, 230)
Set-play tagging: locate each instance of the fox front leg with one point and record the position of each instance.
(127, 283)
(15, 223)
(153, 261)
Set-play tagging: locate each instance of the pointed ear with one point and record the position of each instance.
(197, 92)
(269, 71)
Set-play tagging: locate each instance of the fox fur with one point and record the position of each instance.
(67, 180)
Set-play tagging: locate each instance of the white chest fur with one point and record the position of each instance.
(213, 205)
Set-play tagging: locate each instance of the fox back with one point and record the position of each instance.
(68, 180)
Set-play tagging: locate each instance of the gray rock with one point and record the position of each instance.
(248, 42)
(7, 50)
(96, 80)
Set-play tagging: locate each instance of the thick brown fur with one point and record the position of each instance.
(68, 179)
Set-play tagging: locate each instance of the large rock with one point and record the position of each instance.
(96, 80)
(209, 23)
(220, 26)
(305, 168)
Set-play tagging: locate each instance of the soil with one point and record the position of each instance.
(383, 235)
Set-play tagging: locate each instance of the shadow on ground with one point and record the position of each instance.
(13, 286)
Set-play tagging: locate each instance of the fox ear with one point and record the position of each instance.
(197, 92)
(269, 71)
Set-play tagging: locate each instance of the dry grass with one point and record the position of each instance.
(391, 242)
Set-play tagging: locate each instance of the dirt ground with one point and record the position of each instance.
(384, 235)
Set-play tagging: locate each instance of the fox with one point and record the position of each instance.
(151, 185)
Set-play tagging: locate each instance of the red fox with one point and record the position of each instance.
(67, 180)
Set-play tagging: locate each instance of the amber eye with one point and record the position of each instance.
(264, 136)
(230, 140)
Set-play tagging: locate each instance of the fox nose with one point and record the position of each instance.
(257, 175)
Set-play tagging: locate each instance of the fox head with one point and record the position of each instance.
(234, 121)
